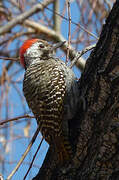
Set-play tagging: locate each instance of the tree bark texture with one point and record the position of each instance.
(95, 129)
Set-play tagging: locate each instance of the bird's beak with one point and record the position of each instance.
(57, 45)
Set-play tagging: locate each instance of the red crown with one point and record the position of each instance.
(24, 47)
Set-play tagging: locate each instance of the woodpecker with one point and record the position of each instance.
(51, 91)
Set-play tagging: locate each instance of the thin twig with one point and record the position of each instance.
(77, 24)
(69, 33)
(25, 153)
(79, 54)
(16, 118)
(33, 159)
(8, 58)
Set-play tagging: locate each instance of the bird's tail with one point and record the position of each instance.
(64, 149)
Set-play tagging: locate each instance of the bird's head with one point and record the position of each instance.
(36, 48)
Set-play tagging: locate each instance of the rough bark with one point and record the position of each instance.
(96, 127)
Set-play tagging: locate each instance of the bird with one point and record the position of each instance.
(51, 91)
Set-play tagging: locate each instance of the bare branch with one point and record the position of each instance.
(69, 33)
(15, 119)
(25, 154)
(57, 20)
(23, 16)
(79, 54)
(7, 58)
(77, 24)
(33, 159)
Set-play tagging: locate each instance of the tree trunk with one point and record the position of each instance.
(96, 125)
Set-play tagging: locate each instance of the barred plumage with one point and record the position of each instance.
(51, 91)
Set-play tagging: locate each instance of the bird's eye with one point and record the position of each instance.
(41, 45)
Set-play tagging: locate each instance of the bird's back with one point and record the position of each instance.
(51, 92)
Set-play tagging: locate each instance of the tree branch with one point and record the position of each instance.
(25, 154)
(23, 16)
(57, 19)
